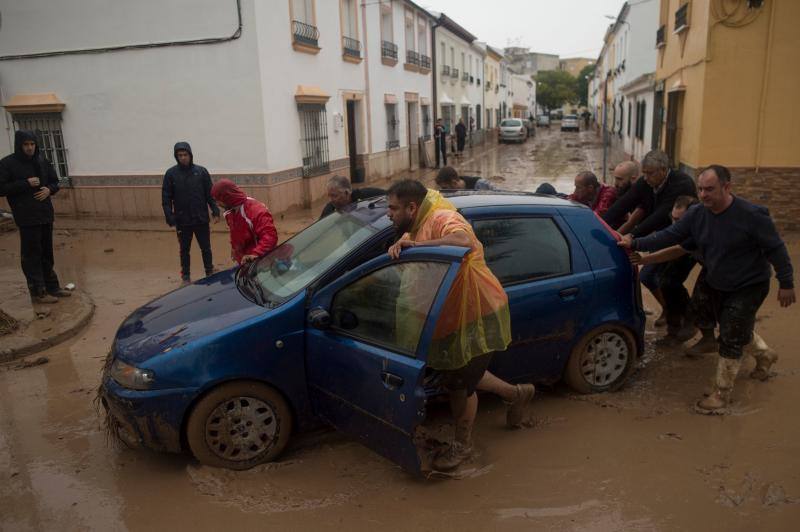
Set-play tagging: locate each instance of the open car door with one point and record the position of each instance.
(367, 337)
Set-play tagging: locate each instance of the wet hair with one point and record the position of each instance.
(546, 188)
(684, 202)
(656, 159)
(408, 190)
(588, 178)
(339, 182)
(722, 172)
(446, 175)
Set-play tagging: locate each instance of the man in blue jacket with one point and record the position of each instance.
(738, 242)
(186, 198)
(28, 181)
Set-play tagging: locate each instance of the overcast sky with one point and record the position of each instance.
(569, 28)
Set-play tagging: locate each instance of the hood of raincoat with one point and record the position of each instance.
(183, 145)
(20, 137)
(227, 193)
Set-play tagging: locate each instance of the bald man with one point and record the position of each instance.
(625, 173)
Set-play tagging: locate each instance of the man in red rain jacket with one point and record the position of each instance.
(253, 232)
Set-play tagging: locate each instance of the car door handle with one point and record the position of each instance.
(391, 380)
(569, 293)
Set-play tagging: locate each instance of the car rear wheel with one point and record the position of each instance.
(602, 360)
(239, 425)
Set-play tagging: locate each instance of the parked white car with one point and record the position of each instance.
(570, 123)
(512, 129)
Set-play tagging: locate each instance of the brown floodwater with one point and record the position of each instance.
(638, 459)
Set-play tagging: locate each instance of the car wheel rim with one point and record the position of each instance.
(241, 428)
(604, 359)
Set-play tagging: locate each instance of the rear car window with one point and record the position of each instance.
(522, 249)
(510, 123)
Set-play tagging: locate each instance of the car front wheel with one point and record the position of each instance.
(602, 360)
(239, 425)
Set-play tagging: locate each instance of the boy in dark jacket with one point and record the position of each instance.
(28, 181)
(186, 198)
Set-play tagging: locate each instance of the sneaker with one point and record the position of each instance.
(452, 457)
(210, 272)
(44, 299)
(60, 292)
(685, 333)
(185, 281)
(516, 409)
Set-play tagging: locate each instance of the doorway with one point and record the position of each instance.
(674, 102)
(356, 174)
(658, 120)
(413, 134)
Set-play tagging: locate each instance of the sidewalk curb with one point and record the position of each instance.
(72, 329)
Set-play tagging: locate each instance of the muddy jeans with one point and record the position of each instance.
(736, 314)
(203, 234)
(676, 297)
(701, 310)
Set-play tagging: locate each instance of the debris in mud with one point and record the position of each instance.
(731, 498)
(670, 436)
(108, 250)
(117, 301)
(537, 423)
(774, 494)
(7, 323)
(32, 363)
(575, 159)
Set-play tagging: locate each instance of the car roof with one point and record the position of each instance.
(465, 199)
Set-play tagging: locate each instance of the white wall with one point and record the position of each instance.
(283, 69)
(453, 88)
(124, 110)
(395, 79)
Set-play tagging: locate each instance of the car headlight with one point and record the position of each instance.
(131, 376)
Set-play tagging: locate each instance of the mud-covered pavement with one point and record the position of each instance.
(638, 459)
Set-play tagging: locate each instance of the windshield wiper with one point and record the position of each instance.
(244, 279)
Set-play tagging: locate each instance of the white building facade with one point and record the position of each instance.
(455, 91)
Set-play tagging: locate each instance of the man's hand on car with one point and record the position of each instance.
(397, 247)
(626, 242)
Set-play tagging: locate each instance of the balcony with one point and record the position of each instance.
(445, 70)
(392, 144)
(465, 76)
(682, 18)
(454, 73)
(351, 48)
(661, 38)
(488, 86)
(424, 62)
(305, 34)
(472, 79)
(412, 57)
(389, 51)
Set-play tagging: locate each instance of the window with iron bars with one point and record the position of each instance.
(47, 127)
(392, 140)
(314, 139)
(426, 122)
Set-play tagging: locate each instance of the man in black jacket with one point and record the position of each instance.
(341, 194)
(28, 181)
(739, 246)
(186, 197)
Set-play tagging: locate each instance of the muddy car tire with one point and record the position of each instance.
(602, 360)
(239, 425)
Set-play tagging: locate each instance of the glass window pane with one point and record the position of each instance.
(519, 249)
(389, 306)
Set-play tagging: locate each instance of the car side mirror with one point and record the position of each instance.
(319, 318)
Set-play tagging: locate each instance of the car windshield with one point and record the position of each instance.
(296, 263)
(510, 123)
(570, 117)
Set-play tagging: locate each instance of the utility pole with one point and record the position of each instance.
(605, 131)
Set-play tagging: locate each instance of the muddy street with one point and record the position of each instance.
(637, 459)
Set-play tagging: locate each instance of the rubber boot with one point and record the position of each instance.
(458, 452)
(765, 357)
(706, 344)
(516, 409)
(717, 402)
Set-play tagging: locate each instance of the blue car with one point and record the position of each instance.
(231, 366)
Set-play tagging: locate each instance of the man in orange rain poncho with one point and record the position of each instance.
(474, 321)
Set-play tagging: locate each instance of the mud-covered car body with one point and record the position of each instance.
(335, 360)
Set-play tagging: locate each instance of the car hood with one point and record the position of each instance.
(181, 316)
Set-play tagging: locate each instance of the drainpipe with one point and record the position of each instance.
(434, 70)
(366, 82)
(764, 83)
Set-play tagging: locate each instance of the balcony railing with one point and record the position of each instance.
(682, 18)
(412, 57)
(454, 73)
(424, 61)
(661, 39)
(305, 33)
(445, 70)
(388, 50)
(391, 144)
(488, 86)
(351, 47)
(472, 79)
(465, 76)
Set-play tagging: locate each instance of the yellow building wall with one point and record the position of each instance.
(752, 85)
